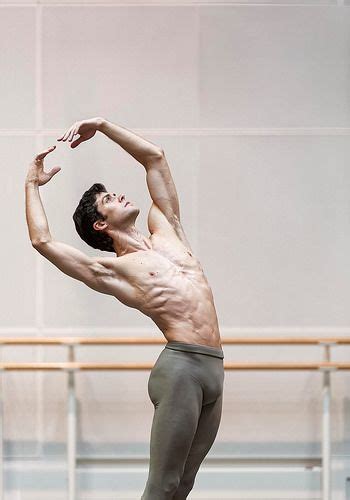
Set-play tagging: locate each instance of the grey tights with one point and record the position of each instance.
(185, 387)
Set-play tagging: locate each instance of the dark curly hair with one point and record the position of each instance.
(86, 214)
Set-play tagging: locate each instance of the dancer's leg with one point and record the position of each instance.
(204, 438)
(177, 399)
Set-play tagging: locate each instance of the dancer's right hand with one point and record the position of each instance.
(85, 128)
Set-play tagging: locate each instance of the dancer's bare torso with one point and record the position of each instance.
(166, 283)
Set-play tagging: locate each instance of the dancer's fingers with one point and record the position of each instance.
(41, 156)
(65, 135)
(72, 132)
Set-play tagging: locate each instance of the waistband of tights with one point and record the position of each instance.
(217, 352)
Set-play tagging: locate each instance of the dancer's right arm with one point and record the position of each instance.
(95, 272)
(68, 259)
(103, 274)
(76, 264)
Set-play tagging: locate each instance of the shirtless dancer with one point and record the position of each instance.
(158, 275)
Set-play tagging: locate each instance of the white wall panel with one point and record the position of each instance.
(270, 66)
(274, 229)
(116, 420)
(21, 406)
(20, 414)
(135, 65)
(151, 3)
(18, 3)
(16, 252)
(114, 407)
(17, 67)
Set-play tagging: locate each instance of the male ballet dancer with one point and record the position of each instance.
(158, 275)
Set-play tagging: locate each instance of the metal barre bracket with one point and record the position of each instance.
(328, 368)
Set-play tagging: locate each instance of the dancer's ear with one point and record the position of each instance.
(99, 225)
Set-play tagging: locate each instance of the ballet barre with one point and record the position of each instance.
(71, 366)
(160, 341)
(76, 366)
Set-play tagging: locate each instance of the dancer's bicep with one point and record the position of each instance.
(162, 188)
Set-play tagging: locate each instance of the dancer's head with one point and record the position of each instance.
(101, 214)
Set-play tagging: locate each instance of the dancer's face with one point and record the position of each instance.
(119, 212)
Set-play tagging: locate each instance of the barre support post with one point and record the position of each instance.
(71, 428)
(326, 428)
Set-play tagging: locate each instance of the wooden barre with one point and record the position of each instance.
(149, 366)
(152, 341)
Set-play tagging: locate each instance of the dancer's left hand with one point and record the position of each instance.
(86, 129)
(36, 171)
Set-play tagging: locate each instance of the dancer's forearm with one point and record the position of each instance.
(138, 147)
(35, 214)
